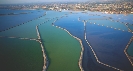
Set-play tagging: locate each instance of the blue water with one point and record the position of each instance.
(28, 30)
(24, 30)
(120, 17)
(76, 28)
(71, 23)
(12, 20)
(5, 11)
(130, 27)
(108, 43)
(109, 23)
(91, 15)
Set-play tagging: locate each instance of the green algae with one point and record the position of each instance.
(62, 50)
(20, 55)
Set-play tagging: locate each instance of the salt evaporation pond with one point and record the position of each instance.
(20, 55)
(91, 15)
(119, 17)
(110, 24)
(67, 48)
(24, 29)
(27, 30)
(76, 28)
(13, 20)
(109, 45)
(62, 49)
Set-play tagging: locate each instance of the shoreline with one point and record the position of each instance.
(84, 11)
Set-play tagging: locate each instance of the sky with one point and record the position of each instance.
(32, 1)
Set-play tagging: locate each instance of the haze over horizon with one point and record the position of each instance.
(34, 1)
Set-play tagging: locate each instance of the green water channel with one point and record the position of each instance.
(62, 50)
(20, 55)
